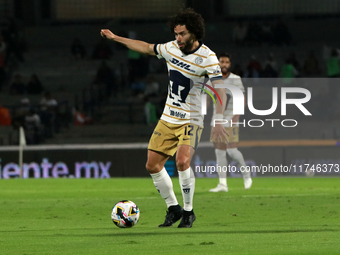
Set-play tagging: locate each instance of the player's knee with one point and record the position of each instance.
(182, 163)
(149, 167)
(152, 168)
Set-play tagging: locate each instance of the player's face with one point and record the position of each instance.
(184, 38)
(225, 64)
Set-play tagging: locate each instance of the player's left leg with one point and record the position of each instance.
(235, 154)
(189, 136)
(187, 183)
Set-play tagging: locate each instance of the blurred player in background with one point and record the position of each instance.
(233, 131)
(180, 127)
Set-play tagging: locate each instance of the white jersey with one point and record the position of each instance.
(235, 80)
(187, 73)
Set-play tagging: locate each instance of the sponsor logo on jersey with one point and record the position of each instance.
(177, 114)
(181, 64)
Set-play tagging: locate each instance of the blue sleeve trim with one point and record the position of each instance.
(216, 78)
(155, 49)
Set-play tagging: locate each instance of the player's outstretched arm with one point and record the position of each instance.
(135, 45)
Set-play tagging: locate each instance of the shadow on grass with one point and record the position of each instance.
(121, 232)
(185, 232)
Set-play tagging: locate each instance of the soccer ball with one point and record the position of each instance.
(125, 214)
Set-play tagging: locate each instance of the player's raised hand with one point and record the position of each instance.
(219, 134)
(106, 33)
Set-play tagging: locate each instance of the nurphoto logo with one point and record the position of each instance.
(238, 105)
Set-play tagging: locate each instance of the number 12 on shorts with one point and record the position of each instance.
(188, 132)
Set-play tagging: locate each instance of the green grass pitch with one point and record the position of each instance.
(72, 216)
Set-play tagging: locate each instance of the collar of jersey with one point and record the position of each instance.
(193, 51)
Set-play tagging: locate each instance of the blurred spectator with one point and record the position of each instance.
(20, 112)
(63, 115)
(48, 103)
(251, 73)
(17, 87)
(333, 71)
(311, 65)
(138, 65)
(102, 50)
(106, 75)
(80, 119)
(253, 68)
(240, 33)
(32, 127)
(270, 67)
(77, 49)
(34, 85)
(271, 62)
(92, 97)
(150, 112)
(269, 72)
(137, 86)
(281, 34)
(293, 60)
(48, 113)
(152, 86)
(25, 106)
(5, 117)
(288, 71)
(333, 64)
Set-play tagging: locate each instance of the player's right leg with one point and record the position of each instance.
(160, 145)
(163, 183)
(221, 160)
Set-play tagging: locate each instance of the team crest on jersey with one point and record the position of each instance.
(198, 60)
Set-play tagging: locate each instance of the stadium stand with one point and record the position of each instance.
(71, 80)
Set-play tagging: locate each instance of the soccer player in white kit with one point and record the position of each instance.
(232, 129)
(189, 62)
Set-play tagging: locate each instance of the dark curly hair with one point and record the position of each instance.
(191, 19)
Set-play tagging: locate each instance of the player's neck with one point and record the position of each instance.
(194, 47)
(226, 75)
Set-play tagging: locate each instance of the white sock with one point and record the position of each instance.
(187, 183)
(221, 160)
(235, 154)
(164, 186)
